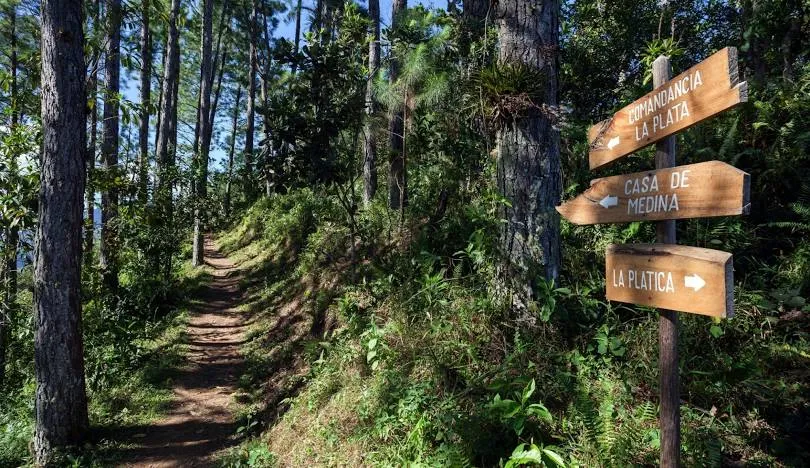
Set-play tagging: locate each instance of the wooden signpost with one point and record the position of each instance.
(695, 191)
(675, 277)
(671, 277)
(708, 88)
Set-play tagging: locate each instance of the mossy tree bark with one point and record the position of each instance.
(529, 151)
(61, 399)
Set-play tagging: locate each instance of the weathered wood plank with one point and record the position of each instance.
(708, 88)
(700, 190)
(676, 277)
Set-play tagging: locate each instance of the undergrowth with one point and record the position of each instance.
(409, 357)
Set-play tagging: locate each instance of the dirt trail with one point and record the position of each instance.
(200, 422)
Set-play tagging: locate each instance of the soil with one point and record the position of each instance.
(201, 422)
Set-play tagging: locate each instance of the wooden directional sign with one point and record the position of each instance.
(695, 191)
(675, 277)
(704, 90)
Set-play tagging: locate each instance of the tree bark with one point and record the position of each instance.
(229, 181)
(370, 141)
(61, 399)
(109, 149)
(298, 33)
(529, 174)
(197, 257)
(251, 111)
(146, 92)
(90, 196)
(165, 149)
(397, 180)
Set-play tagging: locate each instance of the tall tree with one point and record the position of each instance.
(397, 180)
(61, 399)
(229, 180)
(146, 93)
(251, 110)
(204, 117)
(167, 136)
(109, 147)
(529, 147)
(298, 32)
(370, 141)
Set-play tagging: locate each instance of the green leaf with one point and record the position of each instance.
(716, 331)
(554, 457)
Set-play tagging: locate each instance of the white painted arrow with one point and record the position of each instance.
(614, 142)
(694, 281)
(609, 201)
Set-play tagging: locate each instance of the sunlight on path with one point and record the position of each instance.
(200, 422)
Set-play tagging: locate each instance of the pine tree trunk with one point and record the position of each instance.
(165, 149)
(397, 180)
(198, 252)
(109, 148)
(251, 111)
(298, 33)
(370, 141)
(90, 196)
(229, 181)
(61, 399)
(146, 92)
(529, 151)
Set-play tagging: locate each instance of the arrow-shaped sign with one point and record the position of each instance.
(694, 191)
(708, 88)
(609, 201)
(675, 277)
(694, 281)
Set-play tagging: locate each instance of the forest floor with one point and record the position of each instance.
(201, 420)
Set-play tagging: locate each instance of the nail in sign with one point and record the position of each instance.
(703, 91)
(675, 277)
(700, 190)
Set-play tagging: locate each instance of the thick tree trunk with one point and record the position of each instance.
(165, 149)
(146, 93)
(205, 143)
(61, 399)
(251, 111)
(109, 148)
(229, 180)
(370, 141)
(397, 180)
(529, 151)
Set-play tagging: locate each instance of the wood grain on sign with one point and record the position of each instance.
(700, 190)
(676, 277)
(700, 92)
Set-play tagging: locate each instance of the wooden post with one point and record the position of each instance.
(670, 417)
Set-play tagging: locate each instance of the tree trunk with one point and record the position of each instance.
(229, 181)
(165, 149)
(90, 196)
(370, 141)
(146, 91)
(298, 33)
(529, 151)
(205, 143)
(397, 180)
(251, 111)
(109, 149)
(61, 399)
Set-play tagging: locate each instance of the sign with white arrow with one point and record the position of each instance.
(675, 277)
(708, 88)
(700, 190)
